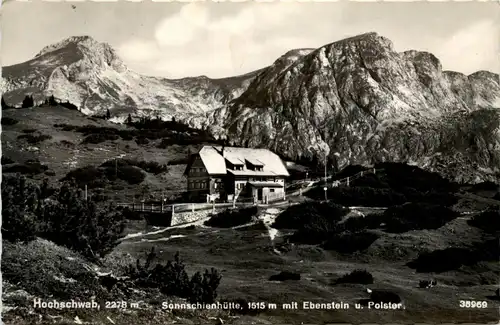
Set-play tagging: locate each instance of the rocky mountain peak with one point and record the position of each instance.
(357, 101)
(91, 75)
(366, 102)
(74, 40)
(86, 48)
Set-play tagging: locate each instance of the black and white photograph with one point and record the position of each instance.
(279, 162)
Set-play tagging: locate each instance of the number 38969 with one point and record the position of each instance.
(473, 304)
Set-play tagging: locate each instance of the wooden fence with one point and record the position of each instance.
(330, 182)
(180, 207)
(270, 198)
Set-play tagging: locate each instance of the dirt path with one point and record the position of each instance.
(268, 218)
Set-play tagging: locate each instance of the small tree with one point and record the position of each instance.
(81, 225)
(4, 104)
(108, 114)
(129, 119)
(52, 101)
(20, 206)
(28, 102)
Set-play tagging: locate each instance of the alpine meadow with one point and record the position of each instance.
(323, 172)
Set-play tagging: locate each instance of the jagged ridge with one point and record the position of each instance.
(361, 102)
(92, 76)
(357, 100)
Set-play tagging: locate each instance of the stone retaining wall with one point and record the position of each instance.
(188, 217)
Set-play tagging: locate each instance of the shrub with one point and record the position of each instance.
(298, 216)
(360, 196)
(353, 224)
(488, 250)
(4, 104)
(141, 141)
(315, 231)
(315, 222)
(28, 168)
(350, 242)
(148, 166)
(28, 101)
(6, 160)
(446, 199)
(356, 276)
(180, 161)
(51, 101)
(488, 221)
(370, 180)
(415, 216)
(65, 218)
(81, 225)
(66, 127)
(88, 175)
(284, 276)
(34, 139)
(126, 135)
(67, 143)
(69, 105)
(401, 175)
(350, 170)
(485, 186)
(232, 218)
(152, 167)
(20, 206)
(130, 174)
(172, 279)
(443, 260)
(9, 121)
(96, 138)
(204, 288)
(453, 258)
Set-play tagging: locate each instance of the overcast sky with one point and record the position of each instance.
(175, 39)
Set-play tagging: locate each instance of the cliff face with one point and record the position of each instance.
(90, 75)
(359, 101)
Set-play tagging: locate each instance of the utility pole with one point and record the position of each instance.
(326, 188)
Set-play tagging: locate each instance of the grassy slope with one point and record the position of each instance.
(62, 158)
(246, 256)
(247, 261)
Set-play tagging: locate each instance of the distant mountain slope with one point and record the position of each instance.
(362, 102)
(92, 76)
(357, 100)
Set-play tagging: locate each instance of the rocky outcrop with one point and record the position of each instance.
(360, 102)
(91, 75)
(355, 101)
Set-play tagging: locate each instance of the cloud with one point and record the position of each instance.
(472, 48)
(195, 40)
(182, 28)
(137, 50)
(206, 39)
